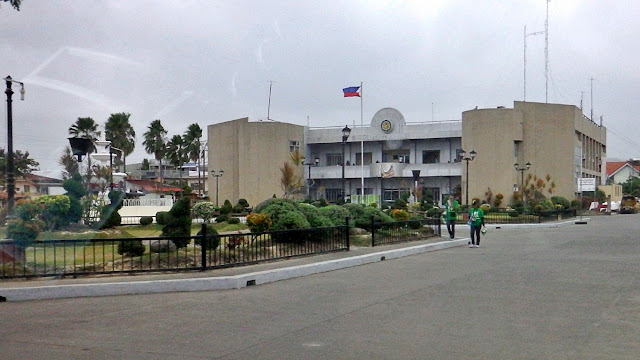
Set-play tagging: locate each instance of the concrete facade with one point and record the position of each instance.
(251, 155)
(552, 137)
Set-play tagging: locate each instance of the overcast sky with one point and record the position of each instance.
(208, 61)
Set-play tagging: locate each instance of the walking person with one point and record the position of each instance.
(451, 208)
(476, 223)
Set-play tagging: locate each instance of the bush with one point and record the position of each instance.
(400, 215)
(378, 216)
(335, 213)
(243, 202)
(415, 223)
(292, 220)
(24, 232)
(204, 210)
(233, 220)
(226, 207)
(575, 203)
(559, 200)
(162, 217)
(263, 205)
(213, 240)
(222, 218)
(314, 217)
(179, 223)
(259, 223)
(146, 220)
(131, 248)
(109, 216)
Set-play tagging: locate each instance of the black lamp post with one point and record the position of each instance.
(522, 170)
(310, 164)
(79, 147)
(416, 177)
(472, 155)
(11, 183)
(217, 174)
(345, 135)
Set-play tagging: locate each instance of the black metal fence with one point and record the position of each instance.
(154, 254)
(401, 231)
(516, 217)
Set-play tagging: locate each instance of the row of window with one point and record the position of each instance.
(332, 195)
(428, 157)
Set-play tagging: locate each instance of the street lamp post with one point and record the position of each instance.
(11, 183)
(416, 177)
(345, 135)
(522, 170)
(310, 164)
(217, 174)
(472, 155)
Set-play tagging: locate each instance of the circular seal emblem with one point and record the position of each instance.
(386, 126)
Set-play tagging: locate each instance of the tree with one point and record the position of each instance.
(22, 164)
(290, 180)
(176, 153)
(69, 163)
(121, 134)
(155, 142)
(631, 186)
(14, 3)
(192, 142)
(87, 128)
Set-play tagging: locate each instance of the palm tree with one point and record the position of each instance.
(193, 145)
(155, 142)
(87, 128)
(121, 134)
(176, 153)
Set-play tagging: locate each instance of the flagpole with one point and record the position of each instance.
(361, 147)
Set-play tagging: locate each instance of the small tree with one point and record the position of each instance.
(179, 223)
(55, 210)
(204, 210)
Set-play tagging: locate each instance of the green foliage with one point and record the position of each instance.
(27, 210)
(355, 210)
(55, 209)
(314, 216)
(109, 216)
(259, 223)
(336, 213)
(204, 210)
(399, 204)
(213, 240)
(399, 215)
(179, 222)
(222, 218)
(226, 207)
(575, 203)
(187, 189)
(260, 207)
(131, 248)
(631, 186)
(233, 220)
(162, 217)
(243, 202)
(146, 220)
(415, 223)
(378, 215)
(559, 200)
(323, 202)
(290, 220)
(74, 187)
(23, 232)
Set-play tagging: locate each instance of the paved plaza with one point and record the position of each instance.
(565, 292)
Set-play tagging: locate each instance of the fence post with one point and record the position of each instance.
(347, 230)
(203, 246)
(373, 231)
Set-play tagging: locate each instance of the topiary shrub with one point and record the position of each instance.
(259, 223)
(400, 215)
(146, 220)
(226, 208)
(233, 220)
(260, 207)
(162, 217)
(213, 240)
(355, 210)
(292, 220)
(336, 213)
(109, 216)
(24, 232)
(222, 218)
(314, 217)
(179, 223)
(131, 248)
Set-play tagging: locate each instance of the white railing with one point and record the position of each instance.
(147, 202)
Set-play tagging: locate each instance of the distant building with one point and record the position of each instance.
(619, 172)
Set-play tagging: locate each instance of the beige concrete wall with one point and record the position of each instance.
(251, 155)
(548, 135)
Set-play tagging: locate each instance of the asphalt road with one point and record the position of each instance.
(571, 292)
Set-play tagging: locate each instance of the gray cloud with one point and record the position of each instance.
(211, 61)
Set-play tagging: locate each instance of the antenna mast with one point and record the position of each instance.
(525, 58)
(269, 106)
(546, 55)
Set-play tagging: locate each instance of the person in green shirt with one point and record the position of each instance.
(451, 208)
(476, 222)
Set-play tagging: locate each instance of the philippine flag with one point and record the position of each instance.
(351, 91)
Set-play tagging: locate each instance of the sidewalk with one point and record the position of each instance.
(228, 278)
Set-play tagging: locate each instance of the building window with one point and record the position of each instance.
(332, 195)
(516, 148)
(431, 156)
(367, 191)
(393, 194)
(334, 159)
(27, 189)
(294, 146)
(367, 158)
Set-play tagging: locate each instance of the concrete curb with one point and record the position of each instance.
(213, 283)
